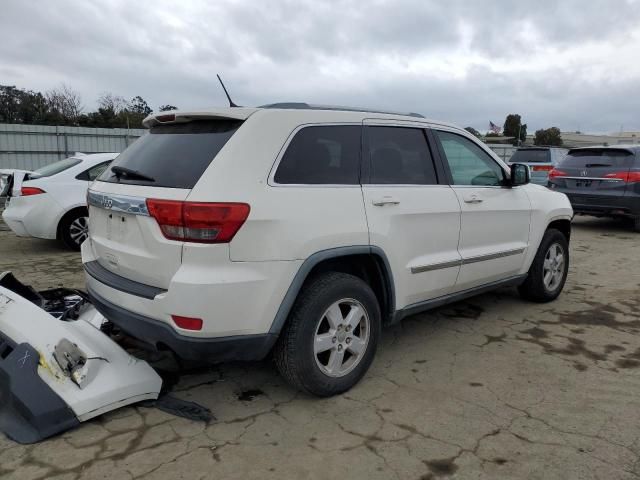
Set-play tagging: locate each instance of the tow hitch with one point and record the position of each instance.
(57, 366)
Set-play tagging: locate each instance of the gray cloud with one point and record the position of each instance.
(569, 63)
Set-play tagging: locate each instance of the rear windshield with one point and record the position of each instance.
(530, 156)
(597, 158)
(173, 156)
(54, 168)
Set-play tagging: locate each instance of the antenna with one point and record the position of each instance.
(231, 104)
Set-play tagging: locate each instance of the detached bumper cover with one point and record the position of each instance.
(30, 410)
(57, 368)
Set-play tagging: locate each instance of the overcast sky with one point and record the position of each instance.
(568, 63)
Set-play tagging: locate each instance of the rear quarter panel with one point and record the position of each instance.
(286, 222)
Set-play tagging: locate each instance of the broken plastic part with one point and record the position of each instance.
(72, 361)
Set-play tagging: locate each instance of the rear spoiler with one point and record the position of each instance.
(163, 118)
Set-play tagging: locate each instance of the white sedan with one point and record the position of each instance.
(51, 202)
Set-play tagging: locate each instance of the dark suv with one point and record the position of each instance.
(601, 181)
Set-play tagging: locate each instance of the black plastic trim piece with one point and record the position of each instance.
(157, 334)
(125, 285)
(457, 296)
(315, 259)
(30, 410)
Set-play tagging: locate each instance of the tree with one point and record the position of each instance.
(65, 105)
(139, 106)
(548, 137)
(22, 106)
(473, 131)
(166, 108)
(513, 127)
(114, 103)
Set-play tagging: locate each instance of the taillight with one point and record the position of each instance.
(626, 176)
(557, 173)
(198, 221)
(27, 191)
(542, 168)
(187, 323)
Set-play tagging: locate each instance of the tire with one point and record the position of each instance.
(535, 288)
(74, 229)
(312, 325)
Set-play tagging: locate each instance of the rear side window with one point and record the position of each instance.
(327, 155)
(173, 156)
(597, 158)
(55, 168)
(400, 156)
(94, 172)
(531, 156)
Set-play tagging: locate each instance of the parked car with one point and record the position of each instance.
(541, 161)
(51, 202)
(229, 233)
(601, 181)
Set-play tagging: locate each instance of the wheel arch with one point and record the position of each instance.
(563, 225)
(367, 262)
(67, 214)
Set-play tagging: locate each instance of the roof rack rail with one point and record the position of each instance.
(308, 106)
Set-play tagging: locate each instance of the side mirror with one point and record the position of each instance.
(520, 174)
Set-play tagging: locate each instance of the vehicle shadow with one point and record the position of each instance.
(604, 224)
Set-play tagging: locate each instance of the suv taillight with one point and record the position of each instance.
(198, 221)
(557, 173)
(626, 176)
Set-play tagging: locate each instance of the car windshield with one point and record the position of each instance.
(55, 168)
(530, 156)
(597, 158)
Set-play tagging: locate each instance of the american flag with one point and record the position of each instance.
(493, 127)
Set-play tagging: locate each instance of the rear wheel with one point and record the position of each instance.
(74, 229)
(331, 336)
(548, 272)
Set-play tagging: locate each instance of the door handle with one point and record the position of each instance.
(380, 202)
(473, 199)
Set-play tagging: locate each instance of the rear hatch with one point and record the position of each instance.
(588, 175)
(156, 173)
(539, 161)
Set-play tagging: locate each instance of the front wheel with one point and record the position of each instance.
(331, 336)
(548, 272)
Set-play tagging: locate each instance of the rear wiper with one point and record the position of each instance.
(127, 172)
(590, 165)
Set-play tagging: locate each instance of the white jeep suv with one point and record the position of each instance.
(229, 233)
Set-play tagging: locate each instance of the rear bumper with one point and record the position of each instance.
(30, 410)
(605, 205)
(158, 334)
(33, 216)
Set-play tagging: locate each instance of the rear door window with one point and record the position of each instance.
(173, 156)
(400, 155)
(328, 155)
